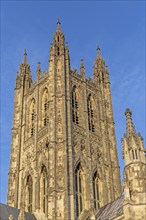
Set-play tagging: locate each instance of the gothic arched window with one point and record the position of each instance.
(79, 189)
(134, 154)
(96, 192)
(29, 193)
(90, 114)
(45, 105)
(75, 106)
(43, 189)
(32, 117)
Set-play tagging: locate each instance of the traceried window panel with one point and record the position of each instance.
(29, 193)
(32, 117)
(43, 190)
(75, 105)
(79, 187)
(96, 191)
(45, 107)
(91, 121)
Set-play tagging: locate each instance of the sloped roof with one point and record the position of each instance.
(6, 211)
(111, 210)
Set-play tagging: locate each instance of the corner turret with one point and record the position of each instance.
(99, 68)
(133, 147)
(24, 78)
(135, 163)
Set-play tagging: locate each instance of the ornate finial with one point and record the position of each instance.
(58, 21)
(128, 111)
(25, 52)
(98, 51)
(129, 123)
(25, 57)
(82, 63)
(58, 25)
(82, 67)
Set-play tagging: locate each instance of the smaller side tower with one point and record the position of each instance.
(134, 172)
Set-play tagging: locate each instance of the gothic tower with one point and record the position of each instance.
(134, 172)
(64, 161)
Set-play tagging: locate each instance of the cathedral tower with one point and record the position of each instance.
(64, 161)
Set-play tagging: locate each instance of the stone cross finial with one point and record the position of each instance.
(58, 25)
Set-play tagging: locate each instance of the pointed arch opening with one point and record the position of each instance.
(29, 193)
(91, 122)
(79, 189)
(45, 107)
(96, 191)
(75, 105)
(43, 189)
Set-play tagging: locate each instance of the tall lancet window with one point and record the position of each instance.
(45, 107)
(90, 114)
(32, 117)
(43, 190)
(29, 193)
(79, 189)
(75, 106)
(96, 191)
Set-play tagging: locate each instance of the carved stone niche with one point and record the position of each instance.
(82, 143)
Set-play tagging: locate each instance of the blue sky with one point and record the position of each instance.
(117, 26)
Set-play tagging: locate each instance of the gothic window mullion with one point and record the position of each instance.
(90, 115)
(75, 112)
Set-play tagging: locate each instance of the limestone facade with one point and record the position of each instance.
(64, 162)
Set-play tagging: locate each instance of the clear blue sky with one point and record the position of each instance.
(117, 26)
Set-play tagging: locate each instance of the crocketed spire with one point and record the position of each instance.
(130, 129)
(99, 61)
